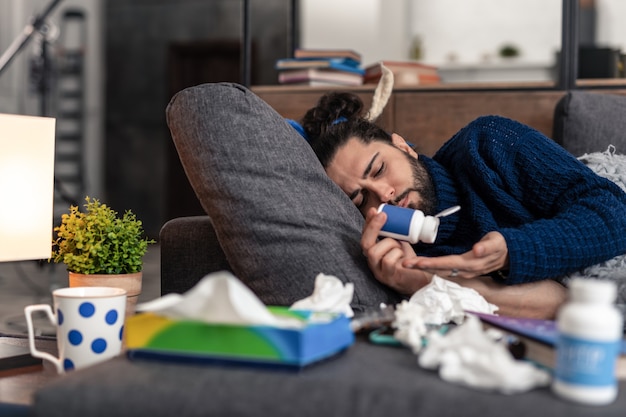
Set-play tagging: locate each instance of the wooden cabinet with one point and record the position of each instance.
(428, 117)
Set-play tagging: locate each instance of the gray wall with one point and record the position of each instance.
(138, 35)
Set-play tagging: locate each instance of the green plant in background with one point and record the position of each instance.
(508, 51)
(98, 241)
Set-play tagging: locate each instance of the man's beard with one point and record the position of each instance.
(423, 185)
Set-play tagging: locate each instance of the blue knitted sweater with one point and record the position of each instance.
(556, 215)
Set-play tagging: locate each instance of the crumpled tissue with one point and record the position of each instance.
(439, 302)
(468, 356)
(329, 295)
(409, 325)
(446, 301)
(218, 298)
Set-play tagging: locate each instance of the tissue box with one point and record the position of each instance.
(151, 336)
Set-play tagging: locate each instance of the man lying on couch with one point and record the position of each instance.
(530, 210)
(280, 220)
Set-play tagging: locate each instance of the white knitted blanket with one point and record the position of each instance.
(610, 165)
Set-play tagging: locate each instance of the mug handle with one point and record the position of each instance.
(28, 311)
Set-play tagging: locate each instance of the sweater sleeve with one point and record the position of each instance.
(578, 218)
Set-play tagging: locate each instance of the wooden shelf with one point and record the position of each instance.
(429, 115)
(527, 85)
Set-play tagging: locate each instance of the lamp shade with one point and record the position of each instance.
(26, 187)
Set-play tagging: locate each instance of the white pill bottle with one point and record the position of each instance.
(407, 224)
(590, 333)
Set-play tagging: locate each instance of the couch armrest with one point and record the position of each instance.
(189, 251)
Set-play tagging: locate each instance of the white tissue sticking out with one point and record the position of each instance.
(409, 324)
(446, 301)
(466, 355)
(218, 298)
(330, 295)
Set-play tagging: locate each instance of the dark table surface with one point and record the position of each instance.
(19, 387)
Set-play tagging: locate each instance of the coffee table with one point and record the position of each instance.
(366, 380)
(17, 391)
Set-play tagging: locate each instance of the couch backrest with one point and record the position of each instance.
(586, 122)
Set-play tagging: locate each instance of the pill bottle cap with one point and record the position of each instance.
(428, 234)
(593, 290)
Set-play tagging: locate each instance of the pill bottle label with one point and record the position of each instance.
(585, 362)
(398, 220)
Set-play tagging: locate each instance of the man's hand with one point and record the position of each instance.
(489, 254)
(389, 258)
(385, 257)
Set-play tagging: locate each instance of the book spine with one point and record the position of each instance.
(339, 65)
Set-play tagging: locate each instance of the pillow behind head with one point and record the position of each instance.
(279, 218)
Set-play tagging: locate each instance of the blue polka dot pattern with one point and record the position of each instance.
(111, 317)
(75, 337)
(121, 332)
(60, 317)
(99, 345)
(86, 309)
(68, 364)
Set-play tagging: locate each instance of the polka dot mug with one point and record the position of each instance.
(89, 322)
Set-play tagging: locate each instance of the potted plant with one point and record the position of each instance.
(509, 51)
(101, 248)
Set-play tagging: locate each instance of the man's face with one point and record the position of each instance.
(378, 172)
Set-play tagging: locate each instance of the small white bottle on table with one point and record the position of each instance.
(590, 332)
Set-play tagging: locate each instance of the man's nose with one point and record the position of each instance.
(384, 192)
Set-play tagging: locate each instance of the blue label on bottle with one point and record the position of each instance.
(585, 362)
(398, 219)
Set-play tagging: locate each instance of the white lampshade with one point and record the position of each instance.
(26, 187)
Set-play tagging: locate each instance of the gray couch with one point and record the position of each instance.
(366, 380)
(584, 122)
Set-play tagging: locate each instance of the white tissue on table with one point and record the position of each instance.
(446, 301)
(329, 295)
(466, 355)
(409, 324)
(439, 302)
(218, 298)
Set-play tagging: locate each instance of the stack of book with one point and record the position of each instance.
(316, 67)
(538, 339)
(405, 73)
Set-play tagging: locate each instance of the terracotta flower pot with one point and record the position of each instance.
(130, 282)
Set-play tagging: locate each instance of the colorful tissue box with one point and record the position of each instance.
(151, 336)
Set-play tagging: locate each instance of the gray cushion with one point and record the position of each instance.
(278, 217)
(586, 122)
(189, 251)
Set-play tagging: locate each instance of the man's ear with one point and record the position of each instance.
(400, 143)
